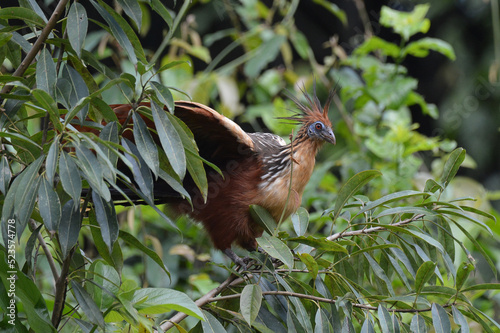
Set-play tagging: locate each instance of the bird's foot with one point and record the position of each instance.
(275, 261)
(243, 263)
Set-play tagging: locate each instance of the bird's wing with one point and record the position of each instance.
(272, 151)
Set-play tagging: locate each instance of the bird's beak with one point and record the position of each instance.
(328, 136)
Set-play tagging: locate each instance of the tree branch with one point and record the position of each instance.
(231, 280)
(373, 229)
(38, 43)
(318, 299)
(46, 250)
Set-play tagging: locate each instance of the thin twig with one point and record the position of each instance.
(61, 288)
(38, 43)
(231, 280)
(373, 229)
(318, 299)
(46, 250)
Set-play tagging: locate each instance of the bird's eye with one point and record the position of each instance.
(319, 126)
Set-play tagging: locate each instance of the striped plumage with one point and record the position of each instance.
(256, 168)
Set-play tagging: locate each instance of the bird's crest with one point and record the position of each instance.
(310, 111)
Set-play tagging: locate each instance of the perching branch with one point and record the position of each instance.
(373, 229)
(231, 280)
(320, 299)
(38, 43)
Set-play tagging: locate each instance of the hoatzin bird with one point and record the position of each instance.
(256, 169)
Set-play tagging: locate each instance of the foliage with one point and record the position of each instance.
(383, 242)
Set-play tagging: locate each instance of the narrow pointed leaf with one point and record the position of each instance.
(69, 227)
(46, 76)
(211, 324)
(106, 217)
(133, 10)
(379, 271)
(47, 102)
(134, 242)
(311, 264)
(77, 26)
(142, 174)
(78, 91)
(263, 218)
(49, 205)
(418, 324)
(452, 165)
(145, 144)
(158, 7)
(440, 319)
(89, 308)
(92, 171)
(460, 320)
(276, 249)
(250, 302)
(51, 161)
(164, 95)
(385, 320)
(170, 139)
(319, 243)
(70, 177)
(424, 273)
(367, 326)
(5, 175)
(300, 220)
(351, 187)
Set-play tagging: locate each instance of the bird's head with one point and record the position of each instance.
(314, 119)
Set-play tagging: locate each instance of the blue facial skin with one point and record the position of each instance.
(319, 131)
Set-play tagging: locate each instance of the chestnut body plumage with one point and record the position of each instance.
(256, 169)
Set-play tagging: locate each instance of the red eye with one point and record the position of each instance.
(319, 126)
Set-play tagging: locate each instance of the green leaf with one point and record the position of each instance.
(77, 24)
(74, 90)
(170, 139)
(375, 43)
(106, 284)
(164, 95)
(405, 210)
(322, 322)
(113, 258)
(51, 161)
(440, 319)
(460, 320)
(418, 324)
(49, 205)
(89, 307)
(134, 242)
(303, 316)
(250, 302)
(420, 48)
(406, 24)
(211, 324)
(264, 54)
(70, 177)
(300, 220)
(424, 273)
(463, 272)
(25, 199)
(319, 243)
(48, 103)
(385, 320)
(334, 9)
(276, 249)
(145, 144)
(46, 75)
(452, 165)
(109, 15)
(28, 294)
(390, 198)
(158, 7)
(5, 175)
(133, 10)
(311, 264)
(161, 300)
(109, 133)
(483, 286)
(379, 271)
(351, 187)
(106, 217)
(69, 227)
(26, 15)
(92, 171)
(432, 186)
(263, 218)
(142, 174)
